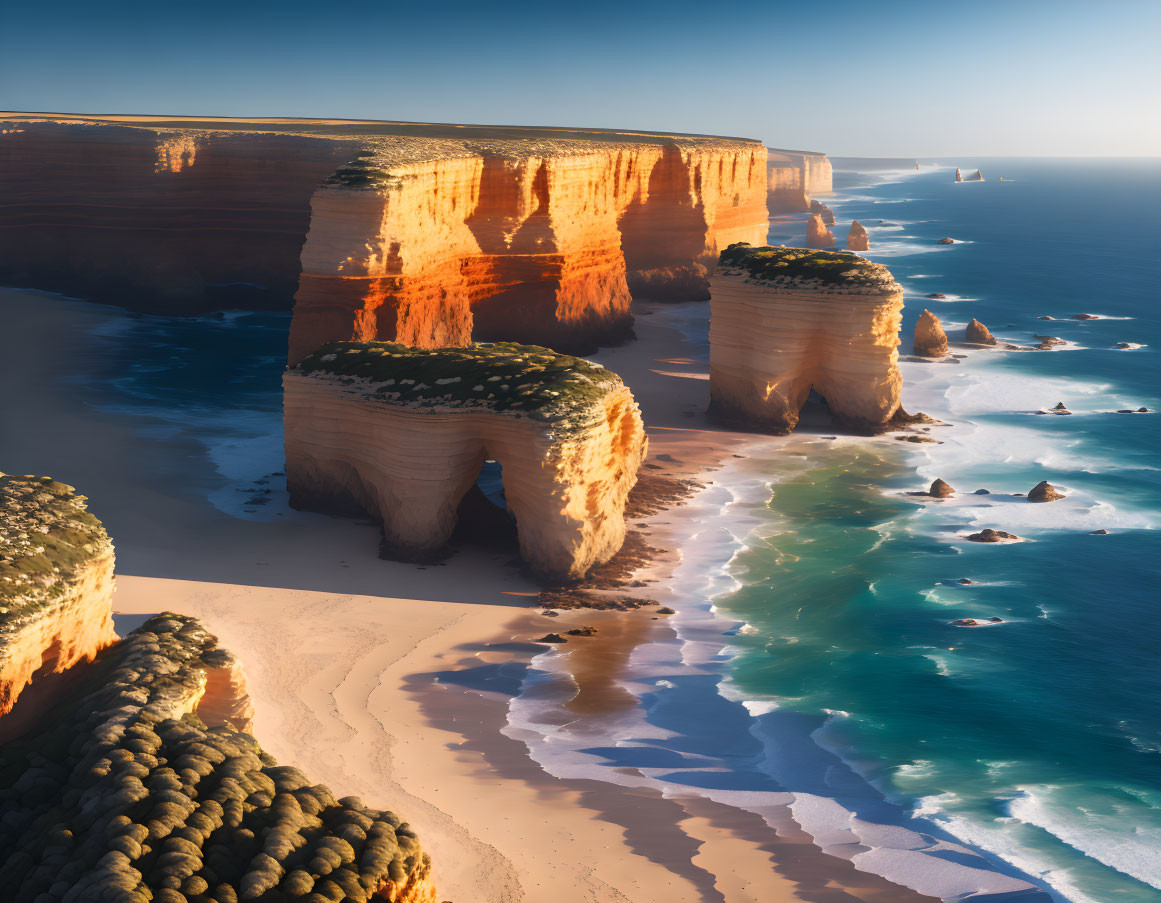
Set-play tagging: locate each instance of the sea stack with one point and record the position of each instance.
(1044, 492)
(824, 211)
(401, 434)
(930, 339)
(940, 490)
(977, 333)
(857, 238)
(786, 320)
(56, 583)
(958, 175)
(817, 234)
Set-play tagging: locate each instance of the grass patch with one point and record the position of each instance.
(500, 376)
(828, 267)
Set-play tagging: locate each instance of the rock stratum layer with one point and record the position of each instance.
(402, 433)
(135, 789)
(794, 177)
(56, 583)
(424, 234)
(786, 320)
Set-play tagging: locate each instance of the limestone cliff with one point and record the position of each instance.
(137, 790)
(817, 234)
(402, 433)
(424, 234)
(794, 177)
(930, 339)
(857, 238)
(786, 320)
(56, 583)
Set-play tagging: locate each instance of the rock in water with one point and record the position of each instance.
(930, 339)
(940, 490)
(56, 582)
(857, 238)
(817, 234)
(947, 241)
(977, 334)
(990, 535)
(958, 175)
(1044, 492)
(401, 432)
(785, 320)
(824, 211)
(937, 296)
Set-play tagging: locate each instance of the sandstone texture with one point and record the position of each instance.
(56, 583)
(977, 334)
(1045, 492)
(817, 234)
(786, 320)
(794, 177)
(136, 790)
(824, 211)
(857, 238)
(401, 433)
(930, 339)
(425, 234)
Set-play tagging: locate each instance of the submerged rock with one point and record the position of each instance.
(930, 339)
(1044, 492)
(937, 296)
(982, 492)
(977, 333)
(990, 535)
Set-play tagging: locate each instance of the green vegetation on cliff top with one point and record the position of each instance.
(828, 267)
(115, 794)
(45, 535)
(499, 376)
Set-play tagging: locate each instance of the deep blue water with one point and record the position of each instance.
(1040, 738)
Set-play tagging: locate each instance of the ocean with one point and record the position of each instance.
(814, 676)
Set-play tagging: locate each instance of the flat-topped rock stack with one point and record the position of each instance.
(429, 235)
(786, 320)
(137, 789)
(401, 433)
(56, 583)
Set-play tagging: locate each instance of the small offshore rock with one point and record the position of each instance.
(940, 490)
(977, 333)
(583, 631)
(551, 638)
(930, 340)
(947, 241)
(982, 492)
(990, 535)
(937, 296)
(965, 581)
(1098, 532)
(1083, 317)
(666, 610)
(1044, 492)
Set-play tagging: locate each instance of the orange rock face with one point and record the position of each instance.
(56, 583)
(817, 234)
(857, 238)
(930, 339)
(794, 177)
(425, 234)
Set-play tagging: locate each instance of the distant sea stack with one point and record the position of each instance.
(977, 333)
(139, 790)
(401, 434)
(425, 234)
(817, 234)
(930, 339)
(824, 211)
(794, 177)
(977, 176)
(56, 583)
(857, 239)
(786, 320)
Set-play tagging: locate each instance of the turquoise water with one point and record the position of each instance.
(1039, 738)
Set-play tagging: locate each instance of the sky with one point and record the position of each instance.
(892, 78)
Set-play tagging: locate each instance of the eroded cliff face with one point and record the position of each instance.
(56, 583)
(785, 320)
(164, 806)
(567, 434)
(425, 234)
(543, 242)
(794, 177)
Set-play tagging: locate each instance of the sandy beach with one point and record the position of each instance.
(391, 681)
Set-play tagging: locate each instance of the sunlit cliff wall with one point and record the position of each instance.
(794, 177)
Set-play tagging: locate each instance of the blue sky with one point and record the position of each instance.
(901, 77)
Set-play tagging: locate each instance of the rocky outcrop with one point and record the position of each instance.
(138, 791)
(1045, 492)
(56, 583)
(930, 339)
(817, 234)
(794, 177)
(857, 238)
(824, 211)
(990, 535)
(977, 333)
(402, 433)
(940, 490)
(784, 321)
(425, 234)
